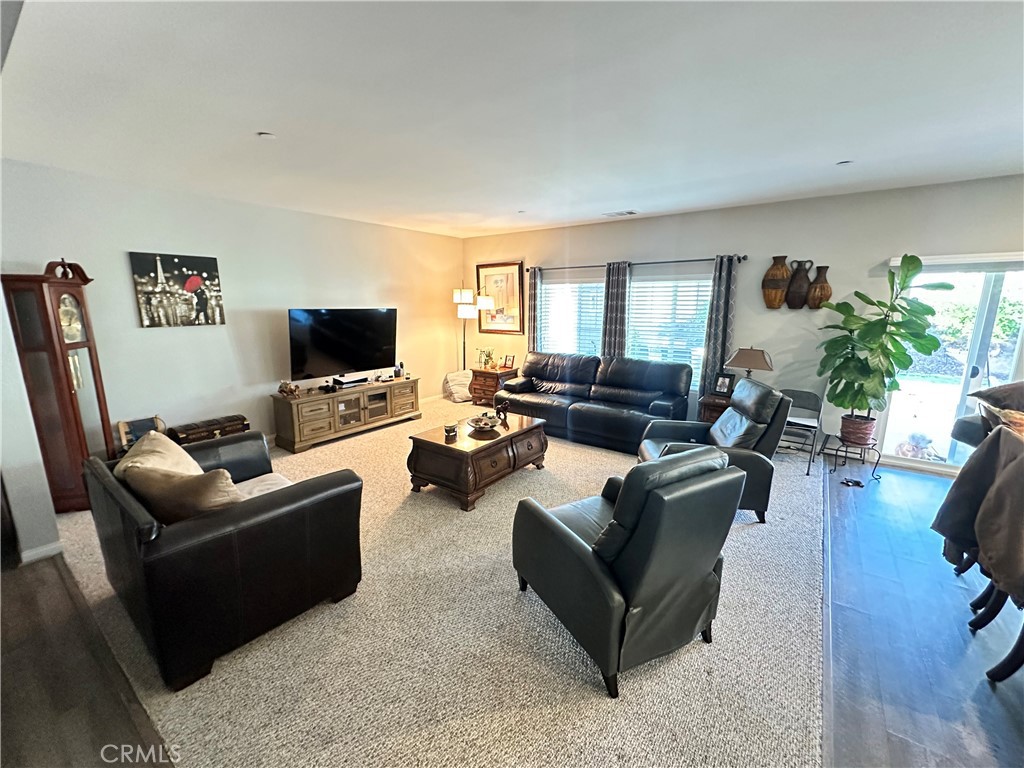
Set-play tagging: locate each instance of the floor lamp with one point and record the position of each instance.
(465, 312)
(469, 306)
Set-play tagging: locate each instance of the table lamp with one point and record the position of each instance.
(751, 359)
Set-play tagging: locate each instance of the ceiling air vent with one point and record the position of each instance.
(619, 214)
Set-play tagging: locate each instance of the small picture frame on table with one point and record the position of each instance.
(510, 361)
(723, 384)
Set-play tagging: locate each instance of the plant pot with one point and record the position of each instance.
(857, 430)
(775, 282)
(820, 291)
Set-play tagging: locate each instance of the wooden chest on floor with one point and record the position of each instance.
(209, 429)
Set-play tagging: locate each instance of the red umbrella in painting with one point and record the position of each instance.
(193, 283)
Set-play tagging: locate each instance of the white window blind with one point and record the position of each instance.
(667, 313)
(570, 311)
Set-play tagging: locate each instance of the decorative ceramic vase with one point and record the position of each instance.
(857, 430)
(775, 282)
(820, 290)
(799, 283)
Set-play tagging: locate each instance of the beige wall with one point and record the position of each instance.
(269, 260)
(855, 235)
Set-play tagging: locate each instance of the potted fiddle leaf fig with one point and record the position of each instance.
(863, 361)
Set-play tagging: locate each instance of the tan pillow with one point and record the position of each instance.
(172, 497)
(156, 451)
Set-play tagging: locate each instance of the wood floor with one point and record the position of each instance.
(905, 680)
(63, 695)
(908, 677)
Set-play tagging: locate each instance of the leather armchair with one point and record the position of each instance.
(748, 432)
(202, 587)
(634, 573)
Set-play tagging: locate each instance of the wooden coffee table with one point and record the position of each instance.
(475, 460)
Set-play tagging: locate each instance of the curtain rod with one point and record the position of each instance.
(632, 263)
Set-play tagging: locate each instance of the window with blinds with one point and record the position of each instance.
(570, 311)
(667, 313)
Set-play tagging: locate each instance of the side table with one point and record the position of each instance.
(844, 447)
(487, 381)
(710, 407)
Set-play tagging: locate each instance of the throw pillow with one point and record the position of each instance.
(157, 451)
(1004, 396)
(172, 497)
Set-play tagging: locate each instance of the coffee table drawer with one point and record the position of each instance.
(311, 429)
(528, 447)
(492, 463)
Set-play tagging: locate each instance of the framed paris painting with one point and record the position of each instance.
(177, 290)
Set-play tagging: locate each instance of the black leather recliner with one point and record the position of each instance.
(207, 585)
(634, 573)
(748, 432)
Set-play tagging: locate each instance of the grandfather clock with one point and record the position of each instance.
(50, 321)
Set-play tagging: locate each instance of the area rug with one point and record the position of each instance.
(439, 659)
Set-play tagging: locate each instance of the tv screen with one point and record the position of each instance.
(331, 342)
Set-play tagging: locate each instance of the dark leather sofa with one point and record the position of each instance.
(202, 587)
(603, 401)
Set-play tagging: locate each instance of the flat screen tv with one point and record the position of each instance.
(333, 342)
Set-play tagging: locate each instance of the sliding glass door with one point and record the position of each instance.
(979, 325)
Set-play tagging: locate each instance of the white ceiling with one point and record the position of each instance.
(453, 117)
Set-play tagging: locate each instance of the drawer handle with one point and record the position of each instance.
(529, 445)
(494, 463)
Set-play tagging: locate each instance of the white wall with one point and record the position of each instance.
(20, 457)
(269, 260)
(855, 235)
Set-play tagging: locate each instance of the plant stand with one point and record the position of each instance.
(844, 448)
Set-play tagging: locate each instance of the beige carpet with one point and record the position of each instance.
(438, 659)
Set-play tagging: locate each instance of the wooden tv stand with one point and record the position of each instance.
(304, 421)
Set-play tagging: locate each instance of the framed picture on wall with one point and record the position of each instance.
(173, 290)
(503, 283)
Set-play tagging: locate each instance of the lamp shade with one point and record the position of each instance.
(462, 296)
(483, 301)
(467, 311)
(751, 359)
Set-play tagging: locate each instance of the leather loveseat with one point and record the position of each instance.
(204, 586)
(603, 401)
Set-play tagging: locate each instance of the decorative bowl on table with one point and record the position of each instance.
(483, 423)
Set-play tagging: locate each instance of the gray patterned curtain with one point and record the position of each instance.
(533, 297)
(718, 337)
(616, 291)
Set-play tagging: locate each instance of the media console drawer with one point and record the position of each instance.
(312, 429)
(318, 410)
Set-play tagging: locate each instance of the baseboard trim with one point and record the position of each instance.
(41, 553)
